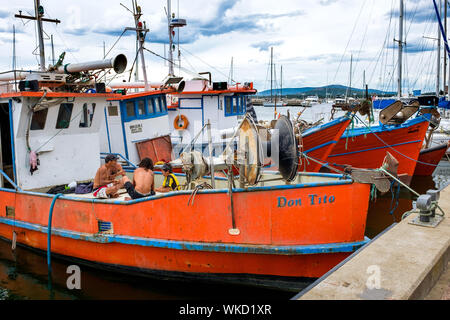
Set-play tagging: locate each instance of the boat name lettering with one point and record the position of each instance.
(135, 128)
(313, 199)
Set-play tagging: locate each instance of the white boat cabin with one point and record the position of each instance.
(132, 119)
(202, 101)
(61, 128)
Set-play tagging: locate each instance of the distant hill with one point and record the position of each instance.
(333, 90)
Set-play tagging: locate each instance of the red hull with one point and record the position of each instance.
(368, 151)
(320, 144)
(429, 159)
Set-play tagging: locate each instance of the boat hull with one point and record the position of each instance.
(429, 159)
(320, 142)
(367, 149)
(286, 235)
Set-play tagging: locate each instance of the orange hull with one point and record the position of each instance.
(429, 159)
(296, 231)
(367, 150)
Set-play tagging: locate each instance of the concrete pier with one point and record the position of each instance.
(405, 262)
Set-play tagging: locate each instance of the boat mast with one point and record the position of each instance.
(400, 51)
(445, 56)
(438, 15)
(438, 62)
(347, 93)
(14, 65)
(172, 24)
(169, 19)
(140, 28)
(281, 85)
(39, 13)
(271, 74)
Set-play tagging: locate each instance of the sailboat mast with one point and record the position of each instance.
(281, 85)
(351, 65)
(271, 74)
(438, 62)
(445, 56)
(400, 50)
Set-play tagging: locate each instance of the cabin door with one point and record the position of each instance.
(6, 158)
(211, 111)
(114, 129)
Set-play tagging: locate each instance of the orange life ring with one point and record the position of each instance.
(176, 123)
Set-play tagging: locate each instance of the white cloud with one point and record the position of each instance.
(309, 37)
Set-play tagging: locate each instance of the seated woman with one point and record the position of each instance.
(143, 181)
(170, 182)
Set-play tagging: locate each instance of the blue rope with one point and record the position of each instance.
(49, 232)
(395, 195)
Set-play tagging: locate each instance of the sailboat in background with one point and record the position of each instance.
(274, 102)
(366, 147)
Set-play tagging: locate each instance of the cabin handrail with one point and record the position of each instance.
(121, 156)
(9, 180)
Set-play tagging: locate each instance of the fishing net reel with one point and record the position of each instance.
(279, 146)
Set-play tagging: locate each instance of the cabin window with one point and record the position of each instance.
(141, 107)
(64, 114)
(150, 106)
(235, 105)
(87, 115)
(38, 119)
(158, 105)
(130, 109)
(164, 105)
(228, 105)
(113, 111)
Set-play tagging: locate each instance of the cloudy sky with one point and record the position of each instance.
(312, 39)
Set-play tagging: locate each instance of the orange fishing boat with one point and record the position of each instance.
(290, 231)
(272, 232)
(274, 228)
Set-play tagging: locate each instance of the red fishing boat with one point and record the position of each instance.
(318, 142)
(366, 147)
(429, 159)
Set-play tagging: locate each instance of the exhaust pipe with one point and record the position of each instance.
(179, 87)
(118, 63)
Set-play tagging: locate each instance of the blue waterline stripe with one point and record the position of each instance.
(365, 150)
(193, 246)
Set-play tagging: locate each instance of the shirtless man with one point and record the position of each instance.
(143, 181)
(105, 183)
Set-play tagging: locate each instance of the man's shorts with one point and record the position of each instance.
(100, 193)
(133, 193)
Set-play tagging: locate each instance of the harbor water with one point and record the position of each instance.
(24, 275)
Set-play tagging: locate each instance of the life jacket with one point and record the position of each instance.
(172, 176)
